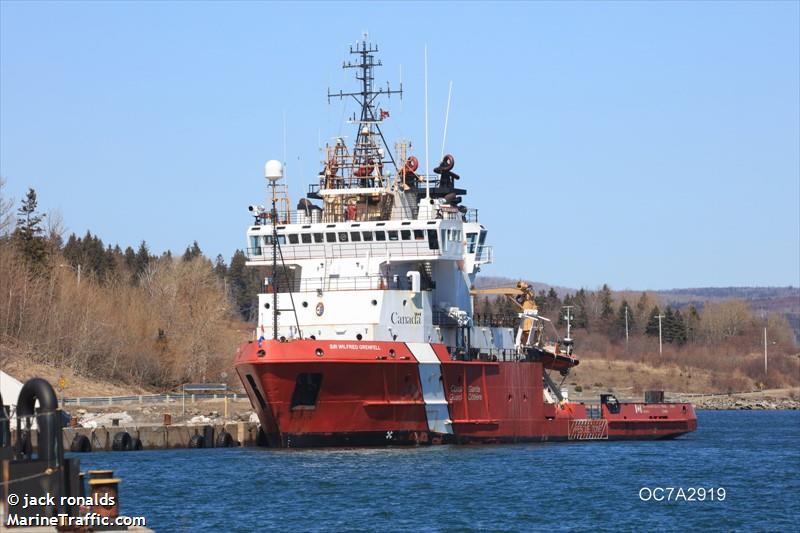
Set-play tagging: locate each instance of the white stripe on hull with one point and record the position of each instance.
(430, 375)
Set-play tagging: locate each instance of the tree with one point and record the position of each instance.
(652, 324)
(192, 252)
(28, 234)
(6, 211)
(620, 322)
(678, 328)
(606, 309)
(642, 305)
(244, 284)
(220, 268)
(552, 303)
(692, 322)
(579, 312)
(668, 326)
(140, 261)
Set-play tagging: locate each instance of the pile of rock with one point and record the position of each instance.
(739, 403)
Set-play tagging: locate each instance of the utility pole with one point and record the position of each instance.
(626, 328)
(660, 350)
(765, 351)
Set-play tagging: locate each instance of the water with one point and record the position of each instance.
(754, 456)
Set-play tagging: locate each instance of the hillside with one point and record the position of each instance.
(780, 300)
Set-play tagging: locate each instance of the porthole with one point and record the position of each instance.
(266, 305)
(374, 302)
(404, 302)
(313, 337)
(391, 352)
(319, 352)
(359, 337)
(305, 304)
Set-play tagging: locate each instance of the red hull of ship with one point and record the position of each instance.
(384, 393)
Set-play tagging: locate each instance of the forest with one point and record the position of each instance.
(157, 321)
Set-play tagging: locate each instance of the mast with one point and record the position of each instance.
(367, 121)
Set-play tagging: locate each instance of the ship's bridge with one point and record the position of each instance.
(414, 240)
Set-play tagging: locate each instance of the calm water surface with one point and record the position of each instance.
(754, 456)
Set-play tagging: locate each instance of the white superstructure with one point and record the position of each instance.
(387, 255)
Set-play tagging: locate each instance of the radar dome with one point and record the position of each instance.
(273, 170)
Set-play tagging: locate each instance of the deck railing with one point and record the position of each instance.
(294, 252)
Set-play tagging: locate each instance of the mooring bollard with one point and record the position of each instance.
(105, 492)
(100, 474)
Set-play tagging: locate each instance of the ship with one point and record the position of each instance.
(366, 333)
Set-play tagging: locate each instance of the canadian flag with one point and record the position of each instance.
(384, 114)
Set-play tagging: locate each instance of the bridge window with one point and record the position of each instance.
(433, 239)
(318, 237)
(367, 235)
(405, 234)
(355, 236)
(254, 245)
(306, 238)
(330, 237)
(268, 239)
(419, 234)
(342, 236)
(380, 235)
(293, 238)
(392, 235)
(472, 239)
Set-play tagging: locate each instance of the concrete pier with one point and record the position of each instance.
(156, 437)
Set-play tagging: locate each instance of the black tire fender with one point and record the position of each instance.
(80, 444)
(122, 442)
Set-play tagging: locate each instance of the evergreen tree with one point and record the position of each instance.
(642, 305)
(552, 303)
(130, 259)
(619, 324)
(220, 268)
(192, 252)
(652, 324)
(606, 309)
(580, 312)
(679, 328)
(668, 326)
(541, 302)
(691, 322)
(140, 262)
(243, 290)
(28, 234)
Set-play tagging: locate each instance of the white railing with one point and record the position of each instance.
(293, 252)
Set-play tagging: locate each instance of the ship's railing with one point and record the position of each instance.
(374, 213)
(355, 283)
(484, 254)
(503, 320)
(294, 252)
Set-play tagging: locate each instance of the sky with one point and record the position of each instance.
(645, 145)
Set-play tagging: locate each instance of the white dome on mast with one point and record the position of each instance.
(273, 170)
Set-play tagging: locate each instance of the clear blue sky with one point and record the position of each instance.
(647, 145)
